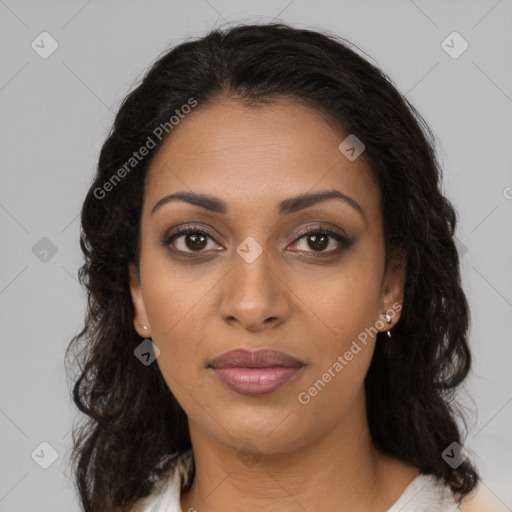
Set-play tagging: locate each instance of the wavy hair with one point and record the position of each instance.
(135, 427)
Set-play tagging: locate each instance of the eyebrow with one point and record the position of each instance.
(287, 206)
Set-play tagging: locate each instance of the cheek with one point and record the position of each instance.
(179, 362)
(342, 332)
(345, 300)
(335, 380)
(174, 295)
(335, 387)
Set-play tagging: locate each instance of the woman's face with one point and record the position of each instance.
(250, 279)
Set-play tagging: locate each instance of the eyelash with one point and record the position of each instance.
(343, 241)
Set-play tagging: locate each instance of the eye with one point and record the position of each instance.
(189, 240)
(319, 239)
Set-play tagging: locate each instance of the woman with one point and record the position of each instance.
(275, 317)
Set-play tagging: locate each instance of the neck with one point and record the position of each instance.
(342, 466)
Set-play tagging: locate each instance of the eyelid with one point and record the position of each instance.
(338, 234)
(343, 240)
(331, 230)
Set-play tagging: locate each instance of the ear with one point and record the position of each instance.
(140, 316)
(392, 290)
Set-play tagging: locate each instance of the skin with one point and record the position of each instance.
(317, 455)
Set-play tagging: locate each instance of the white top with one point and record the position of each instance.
(423, 494)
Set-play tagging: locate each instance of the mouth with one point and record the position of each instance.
(255, 373)
(264, 358)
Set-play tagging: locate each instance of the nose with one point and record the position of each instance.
(254, 295)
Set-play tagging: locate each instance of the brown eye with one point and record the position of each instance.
(188, 240)
(317, 240)
(195, 241)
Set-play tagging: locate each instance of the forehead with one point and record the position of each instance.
(255, 157)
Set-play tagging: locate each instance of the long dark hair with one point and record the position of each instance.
(135, 425)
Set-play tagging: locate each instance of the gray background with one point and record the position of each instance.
(55, 114)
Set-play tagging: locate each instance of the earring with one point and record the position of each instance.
(145, 327)
(388, 320)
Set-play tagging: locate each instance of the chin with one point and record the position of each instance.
(268, 432)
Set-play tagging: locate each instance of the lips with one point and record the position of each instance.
(255, 373)
(260, 359)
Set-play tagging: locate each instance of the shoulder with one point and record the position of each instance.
(165, 493)
(482, 500)
(426, 493)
